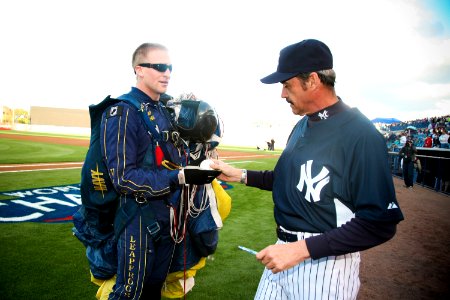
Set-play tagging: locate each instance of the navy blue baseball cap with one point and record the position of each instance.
(303, 57)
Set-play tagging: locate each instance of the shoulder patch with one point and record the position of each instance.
(114, 111)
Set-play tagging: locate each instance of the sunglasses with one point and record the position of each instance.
(158, 67)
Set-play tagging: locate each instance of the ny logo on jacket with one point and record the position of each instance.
(306, 178)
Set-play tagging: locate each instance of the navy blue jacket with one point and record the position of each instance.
(129, 149)
(331, 179)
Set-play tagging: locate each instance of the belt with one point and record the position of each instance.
(286, 236)
(290, 237)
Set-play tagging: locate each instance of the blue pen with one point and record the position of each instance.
(247, 250)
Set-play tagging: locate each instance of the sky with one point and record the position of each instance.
(391, 57)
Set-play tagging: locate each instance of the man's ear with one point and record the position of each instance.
(138, 71)
(313, 80)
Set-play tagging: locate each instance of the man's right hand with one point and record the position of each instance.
(229, 173)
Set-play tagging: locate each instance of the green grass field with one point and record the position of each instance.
(18, 151)
(44, 261)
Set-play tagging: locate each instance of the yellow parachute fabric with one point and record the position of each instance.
(105, 287)
(223, 200)
(175, 282)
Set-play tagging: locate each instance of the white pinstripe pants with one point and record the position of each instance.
(332, 277)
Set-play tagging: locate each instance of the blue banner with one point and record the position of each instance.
(47, 204)
(54, 204)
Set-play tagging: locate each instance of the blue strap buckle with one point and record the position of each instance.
(153, 228)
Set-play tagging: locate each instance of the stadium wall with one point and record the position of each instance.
(51, 116)
(57, 120)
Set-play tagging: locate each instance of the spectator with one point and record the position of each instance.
(402, 139)
(408, 153)
(428, 142)
(435, 136)
(443, 139)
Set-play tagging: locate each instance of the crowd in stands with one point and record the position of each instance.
(427, 133)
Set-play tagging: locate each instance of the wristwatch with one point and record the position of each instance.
(243, 176)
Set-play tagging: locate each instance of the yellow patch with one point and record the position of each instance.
(98, 181)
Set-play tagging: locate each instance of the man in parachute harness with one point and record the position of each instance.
(137, 191)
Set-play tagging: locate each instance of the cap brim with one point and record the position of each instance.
(277, 77)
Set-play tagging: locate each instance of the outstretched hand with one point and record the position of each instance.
(229, 173)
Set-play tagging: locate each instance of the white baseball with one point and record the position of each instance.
(205, 165)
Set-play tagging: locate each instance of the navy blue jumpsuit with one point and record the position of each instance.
(129, 151)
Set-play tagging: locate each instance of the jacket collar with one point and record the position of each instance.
(328, 112)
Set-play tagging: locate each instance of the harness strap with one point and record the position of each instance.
(126, 213)
(150, 222)
(123, 216)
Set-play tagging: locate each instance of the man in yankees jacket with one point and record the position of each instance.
(332, 188)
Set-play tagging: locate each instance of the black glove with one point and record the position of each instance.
(195, 175)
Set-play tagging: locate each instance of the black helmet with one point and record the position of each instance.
(195, 120)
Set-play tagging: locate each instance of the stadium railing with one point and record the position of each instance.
(435, 172)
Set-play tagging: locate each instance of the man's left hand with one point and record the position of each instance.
(281, 257)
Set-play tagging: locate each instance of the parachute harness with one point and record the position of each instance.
(188, 208)
(178, 222)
